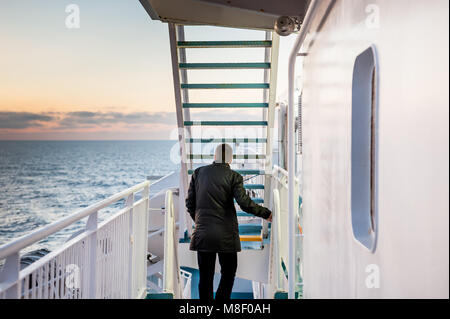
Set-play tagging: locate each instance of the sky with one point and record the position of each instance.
(111, 78)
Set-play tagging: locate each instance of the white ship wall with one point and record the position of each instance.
(413, 213)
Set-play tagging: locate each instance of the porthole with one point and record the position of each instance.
(364, 149)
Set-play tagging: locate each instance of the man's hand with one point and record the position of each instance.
(270, 218)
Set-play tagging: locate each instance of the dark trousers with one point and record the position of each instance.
(206, 265)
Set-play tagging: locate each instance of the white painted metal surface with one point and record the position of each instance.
(277, 279)
(107, 260)
(270, 116)
(171, 276)
(260, 14)
(411, 259)
(182, 115)
(187, 283)
(280, 237)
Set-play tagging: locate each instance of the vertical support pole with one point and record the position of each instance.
(313, 5)
(181, 130)
(291, 188)
(270, 122)
(10, 274)
(91, 226)
(184, 79)
(168, 284)
(300, 125)
(129, 205)
(146, 195)
(282, 136)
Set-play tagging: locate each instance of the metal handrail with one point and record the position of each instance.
(281, 223)
(276, 242)
(26, 240)
(171, 275)
(277, 171)
(81, 257)
(187, 276)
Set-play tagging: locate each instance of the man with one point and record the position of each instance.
(210, 204)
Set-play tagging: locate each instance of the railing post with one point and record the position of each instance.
(129, 204)
(168, 249)
(92, 226)
(146, 195)
(10, 273)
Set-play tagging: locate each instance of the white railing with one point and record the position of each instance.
(276, 278)
(171, 276)
(107, 260)
(187, 282)
(280, 240)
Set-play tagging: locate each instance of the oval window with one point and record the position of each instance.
(364, 149)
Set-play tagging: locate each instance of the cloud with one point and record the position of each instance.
(111, 120)
(89, 119)
(82, 119)
(22, 120)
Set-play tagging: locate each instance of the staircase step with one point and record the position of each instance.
(244, 214)
(162, 295)
(254, 238)
(256, 200)
(227, 140)
(250, 171)
(253, 186)
(224, 44)
(224, 105)
(226, 123)
(246, 65)
(284, 295)
(249, 229)
(236, 156)
(225, 85)
(241, 295)
(240, 171)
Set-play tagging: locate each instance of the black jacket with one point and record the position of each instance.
(210, 204)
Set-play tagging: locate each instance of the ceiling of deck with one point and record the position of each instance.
(252, 14)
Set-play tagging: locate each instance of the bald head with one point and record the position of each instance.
(223, 154)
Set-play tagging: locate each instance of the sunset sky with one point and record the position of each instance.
(109, 79)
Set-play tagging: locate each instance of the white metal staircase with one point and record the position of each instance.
(254, 167)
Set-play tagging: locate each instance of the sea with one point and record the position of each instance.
(43, 181)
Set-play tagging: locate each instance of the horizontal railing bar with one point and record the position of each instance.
(227, 140)
(236, 156)
(225, 85)
(224, 44)
(235, 65)
(240, 171)
(225, 105)
(45, 231)
(277, 169)
(226, 123)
